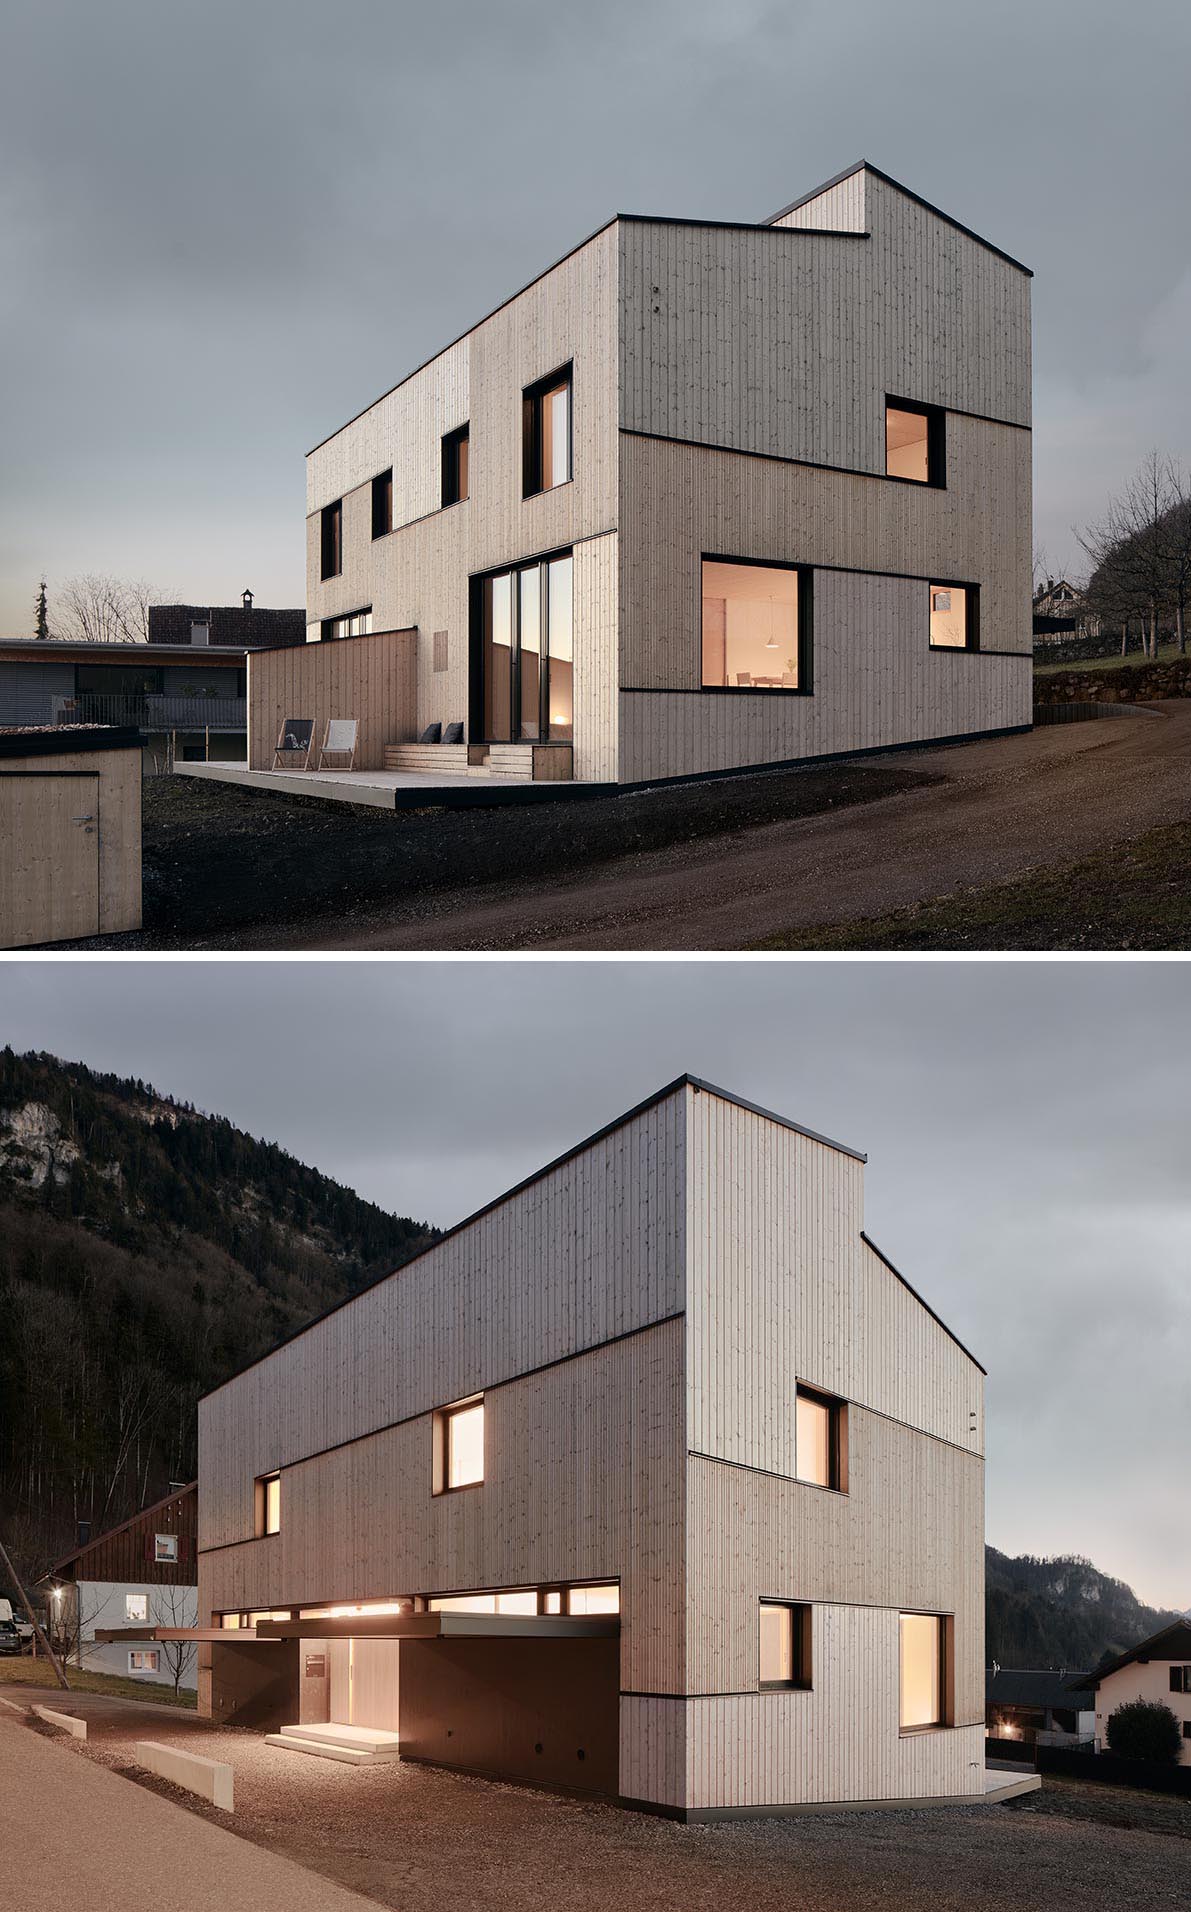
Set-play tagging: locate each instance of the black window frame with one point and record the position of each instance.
(382, 503)
(802, 1640)
(477, 729)
(331, 540)
(971, 644)
(805, 687)
(440, 1458)
(936, 442)
(328, 636)
(837, 1438)
(451, 493)
(531, 430)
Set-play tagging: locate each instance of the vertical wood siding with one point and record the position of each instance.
(373, 679)
(597, 704)
(584, 1479)
(591, 1250)
(841, 208)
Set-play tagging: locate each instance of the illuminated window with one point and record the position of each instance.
(526, 653)
(458, 1459)
(953, 620)
(593, 1599)
(268, 1505)
(230, 1622)
(165, 1547)
(352, 624)
(914, 441)
(784, 1644)
(143, 1660)
(547, 433)
(552, 1601)
(820, 1439)
(348, 1611)
(332, 539)
(382, 503)
(523, 1601)
(275, 1613)
(756, 623)
(923, 1670)
(454, 466)
(136, 1606)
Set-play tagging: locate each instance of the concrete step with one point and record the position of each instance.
(368, 1739)
(347, 1753)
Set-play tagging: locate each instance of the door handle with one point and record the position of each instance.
(87, 819)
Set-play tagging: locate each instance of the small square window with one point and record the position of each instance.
(547, 433)
(784, 1644)
(915, 441)
(382, 503)
(454, 466)
(459, 1446)
(954, 622)
(820, 1439)
(165, 1547)
(136, 1606)
(143, 1660)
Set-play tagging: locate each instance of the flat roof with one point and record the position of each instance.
(444, 1626)
(61, 648)
(559, 1161)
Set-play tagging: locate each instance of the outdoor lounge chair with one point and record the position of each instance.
(339, 740)
(295, 738)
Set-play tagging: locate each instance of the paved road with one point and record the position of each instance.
(1007, 805)
(73, 1834)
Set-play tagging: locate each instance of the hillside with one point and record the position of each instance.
(1061, 1612)
(147, 1251)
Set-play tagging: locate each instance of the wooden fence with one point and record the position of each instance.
(371, 678)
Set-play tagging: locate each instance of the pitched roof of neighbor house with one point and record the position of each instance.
(1169, 1643)
(99, 1540)
(1038, 1686)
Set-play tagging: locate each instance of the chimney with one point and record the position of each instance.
(84, 1534)
(247, 600)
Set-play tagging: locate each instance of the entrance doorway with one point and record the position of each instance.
(363, 1677)
(523, 654)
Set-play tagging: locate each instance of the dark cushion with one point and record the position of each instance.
(453, 734)
(431, 735)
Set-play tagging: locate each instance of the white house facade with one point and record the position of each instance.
(111, 1599)
(1159, 1672)
(653, 1479)
(704, 496)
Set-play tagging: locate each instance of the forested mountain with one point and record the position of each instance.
(147, 1251)
(1061, 1612)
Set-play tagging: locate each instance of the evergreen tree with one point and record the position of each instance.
(43, 620)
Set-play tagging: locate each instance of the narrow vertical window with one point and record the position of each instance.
(332, 539)
(382, 503)
(547, 433)
(784, 1644)
(820, 1439)
(915, 442)
(268, 1504)
(458, 1447)
(924, 1682)
(454, 466)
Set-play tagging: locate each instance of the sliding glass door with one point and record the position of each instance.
(526, 653)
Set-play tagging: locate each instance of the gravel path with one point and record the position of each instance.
(420, 1840)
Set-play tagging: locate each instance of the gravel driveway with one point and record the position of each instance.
(422, 1840)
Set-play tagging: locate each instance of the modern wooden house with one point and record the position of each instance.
(702, 496)
(107, 1599)
(652, 1479)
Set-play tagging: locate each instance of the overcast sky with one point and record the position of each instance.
(1027, 1129)
(224, 229)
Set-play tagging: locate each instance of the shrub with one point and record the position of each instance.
(1145, 1729)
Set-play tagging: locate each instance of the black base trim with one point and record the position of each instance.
(830, 756)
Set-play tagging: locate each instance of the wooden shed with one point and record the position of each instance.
(70, 833)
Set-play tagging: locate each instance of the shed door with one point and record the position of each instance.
(49, 857)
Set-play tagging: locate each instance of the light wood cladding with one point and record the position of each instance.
(373, 679)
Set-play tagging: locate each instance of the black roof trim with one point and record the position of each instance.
(1178, 1631)
(559, 1161)
(866, 165)
(64, 740)
(870, 1243)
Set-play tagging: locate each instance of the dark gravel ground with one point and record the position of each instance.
(220, 857)
(422, 1840)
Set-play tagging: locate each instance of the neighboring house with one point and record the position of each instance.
(703, 495)
(1159, 1669)
(652, 1479)
(173, 703)
(242, 626)
(135, 1578)
(1060, 612)
(1024, 1703)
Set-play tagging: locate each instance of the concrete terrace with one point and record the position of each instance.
(394, 789)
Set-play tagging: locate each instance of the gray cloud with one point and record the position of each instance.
(1026, 1125)
(225, 229)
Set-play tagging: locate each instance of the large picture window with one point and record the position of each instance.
(923, 1671)
(526, 653)
(547, 433)
(756, 620)
(915, 442)
(954, 620)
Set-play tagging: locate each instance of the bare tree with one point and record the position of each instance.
(104, 610)
(1178, 553)
(176, 1607)
(1129, 550)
